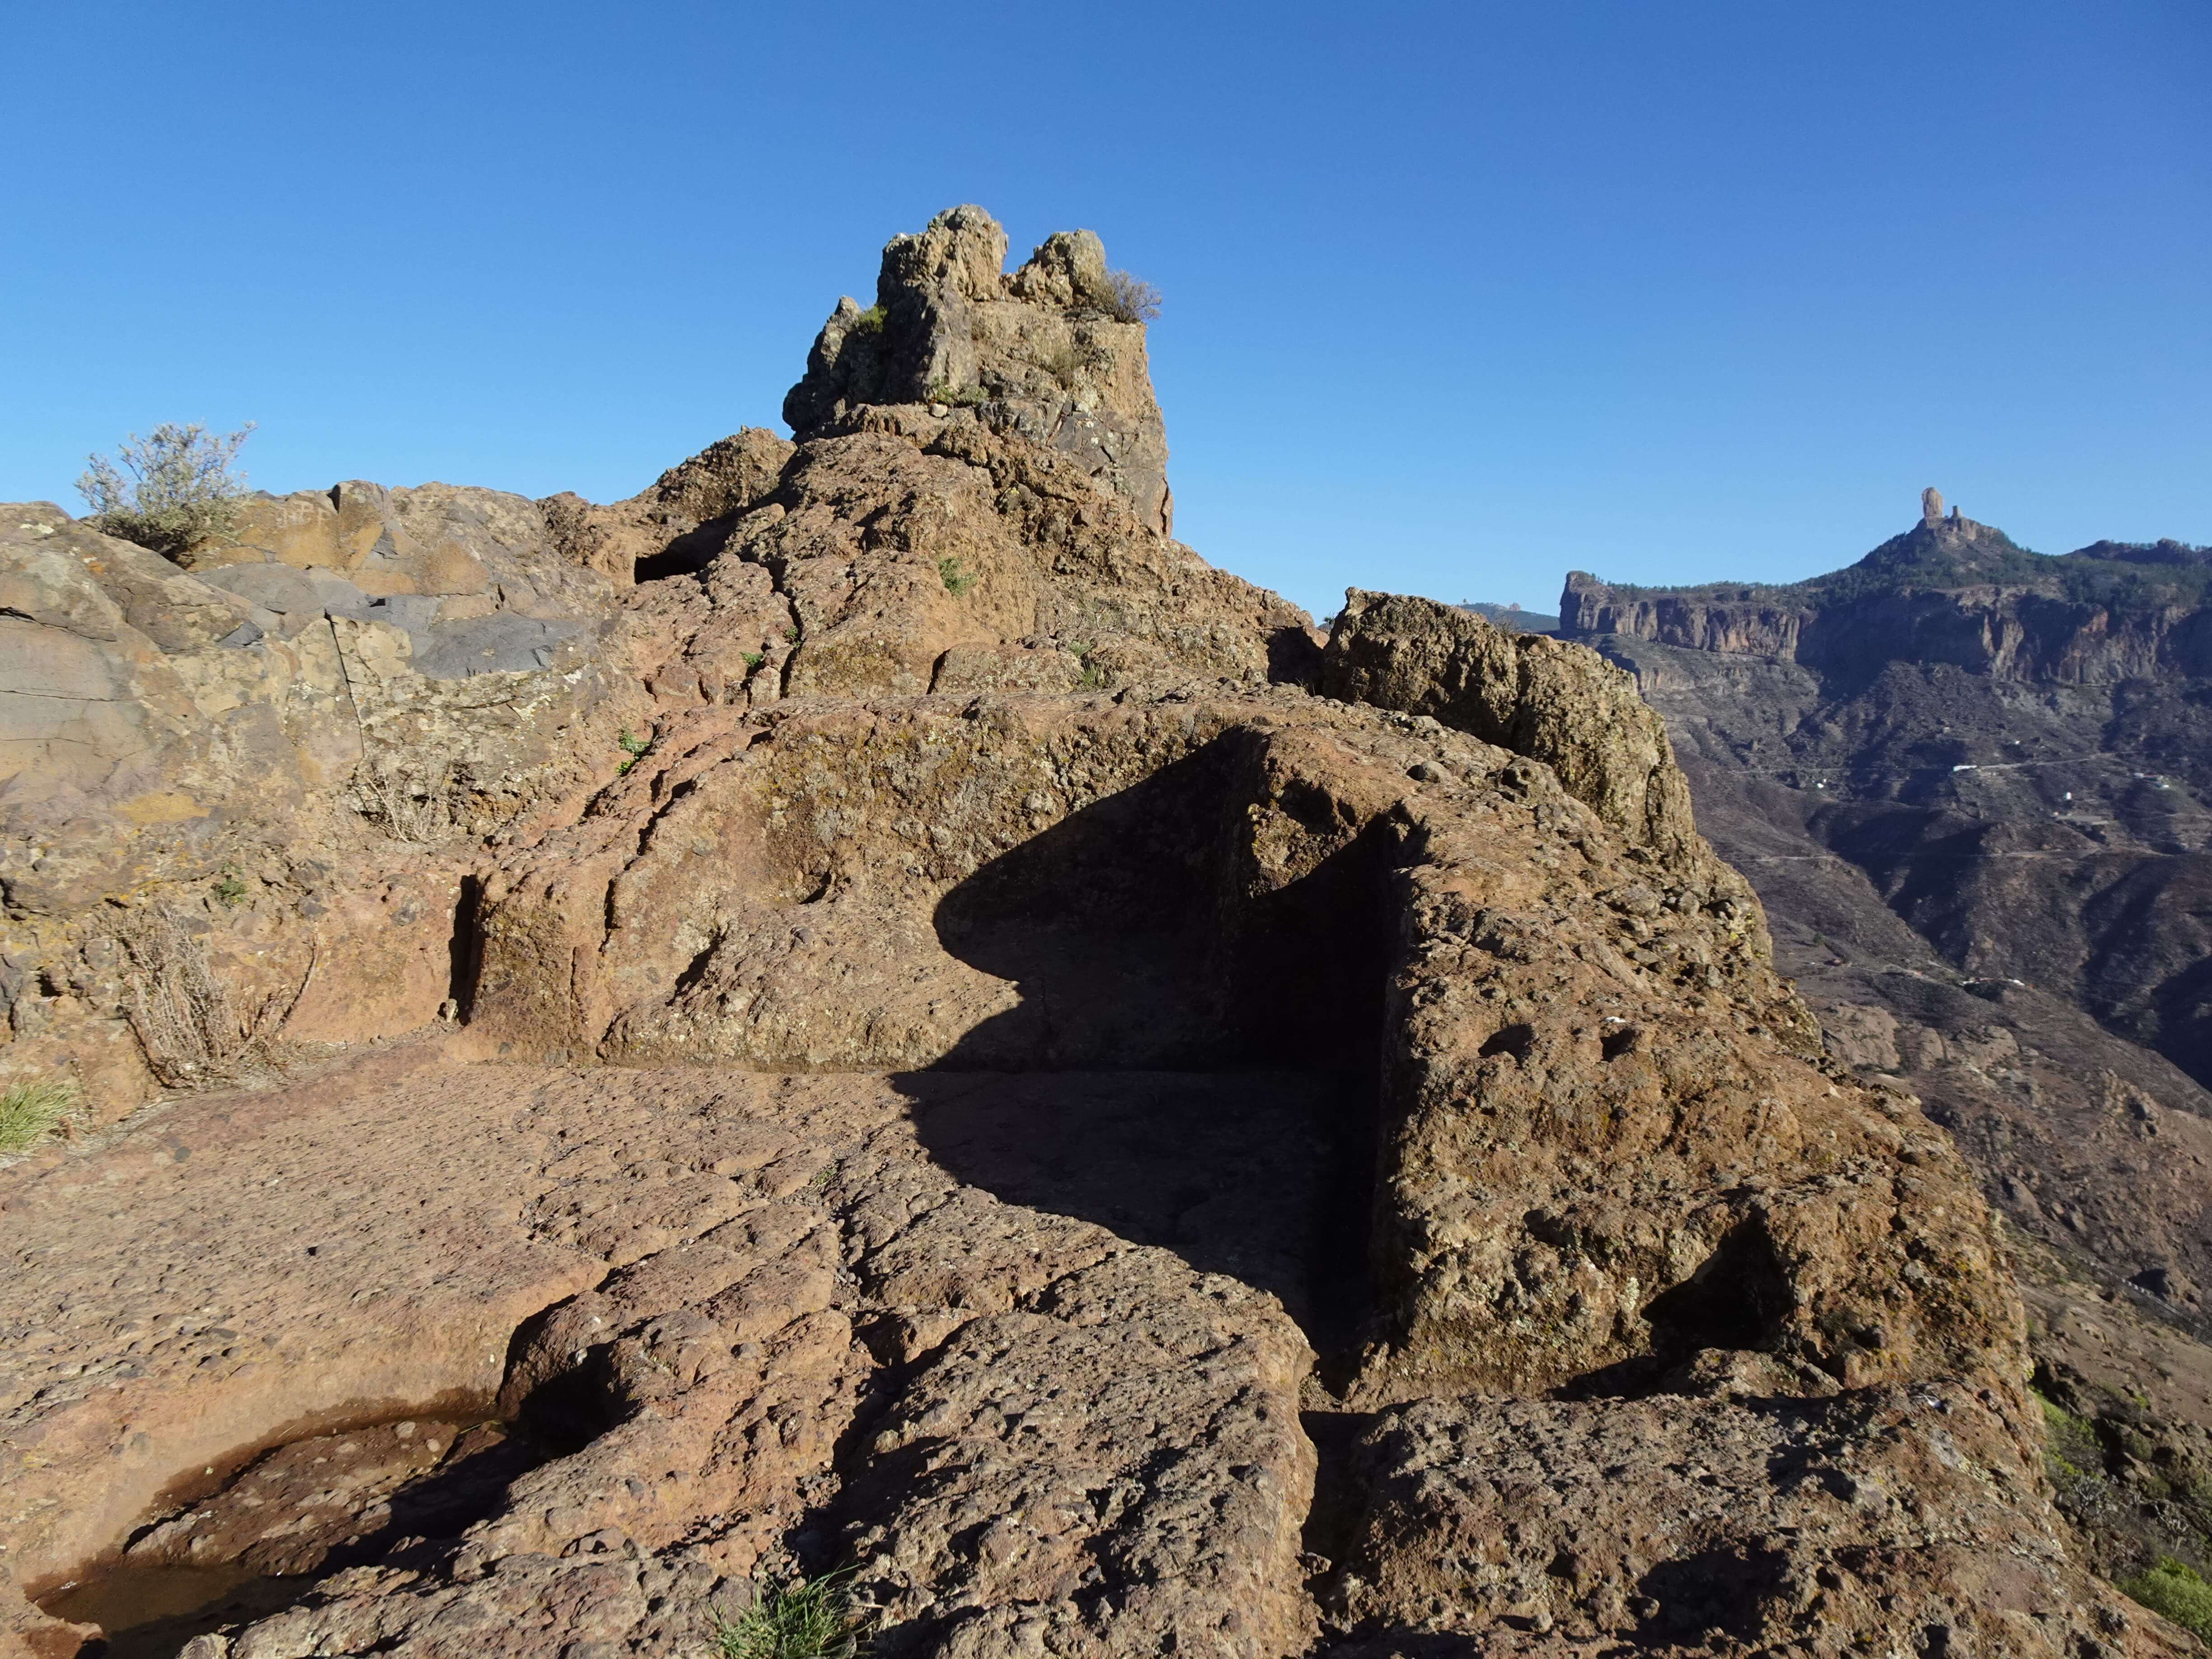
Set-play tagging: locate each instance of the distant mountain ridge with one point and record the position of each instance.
(1970, 783)
(1947, 589)
(1511, 617)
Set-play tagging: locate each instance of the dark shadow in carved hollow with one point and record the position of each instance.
(1192, 1065)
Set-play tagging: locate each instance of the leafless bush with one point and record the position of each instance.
(1128, 299)
(189, 1025)
(407, 804)
(173, 491)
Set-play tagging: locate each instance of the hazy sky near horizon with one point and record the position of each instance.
(1458, 297)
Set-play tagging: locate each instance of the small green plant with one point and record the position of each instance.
(29, 1112)
(791, 634)
(1092, 677)
(960, 397)
(957, 582)
(229, 889)
(2070, 1442)
(813, 1619)
(636, 748)
(870, 321)
(2175, 1590)
(754, 659)
(174, 492)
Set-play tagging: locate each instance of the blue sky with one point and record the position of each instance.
(1458, 297)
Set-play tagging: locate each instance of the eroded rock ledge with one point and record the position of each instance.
(1025, 1079)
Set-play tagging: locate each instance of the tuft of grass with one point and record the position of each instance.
(957, 582)
(2069, 1445)
(754, 659)
(2175, 1590)
(1093, 677)
(1068, 364)
(229, 889)
(813, 1619)
(30, 1112)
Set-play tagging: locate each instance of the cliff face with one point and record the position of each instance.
(1948, 591)
(1732, 620)
(2010, 745)
(936, 1036)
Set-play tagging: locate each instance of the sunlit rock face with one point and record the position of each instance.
(864, 1011)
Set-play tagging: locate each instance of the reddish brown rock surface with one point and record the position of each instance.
(938, 1036)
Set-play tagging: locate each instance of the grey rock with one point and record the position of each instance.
(503, 643)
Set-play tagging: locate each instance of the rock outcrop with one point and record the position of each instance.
(973, 1054)
(239, 799)
(667, 527)
(1044, 353)
(1571, 710)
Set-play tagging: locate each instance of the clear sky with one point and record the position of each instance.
(1458, 296)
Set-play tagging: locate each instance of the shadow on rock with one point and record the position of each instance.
(1140, 1084)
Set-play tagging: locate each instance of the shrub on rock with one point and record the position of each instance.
(173, 491)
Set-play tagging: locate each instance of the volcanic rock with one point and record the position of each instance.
(970, 1053)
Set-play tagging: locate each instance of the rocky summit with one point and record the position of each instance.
(865, 1012)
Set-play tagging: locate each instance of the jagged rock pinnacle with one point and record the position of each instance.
(1045, 352)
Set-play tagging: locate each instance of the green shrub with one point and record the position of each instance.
(791, 634)
(960, 397)
(2174, 1589)
(29, 1112)
(754, 659)
(813, 1619)
(957, 582)
(2070, 1442)
(229, 889)
(636, 747)
(174, 492)
(870, 321)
